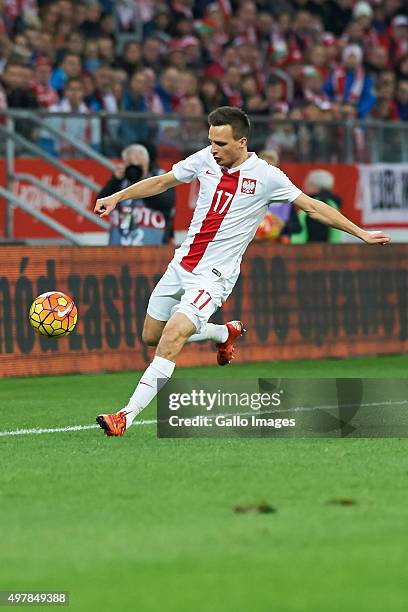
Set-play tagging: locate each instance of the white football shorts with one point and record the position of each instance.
(194, 295)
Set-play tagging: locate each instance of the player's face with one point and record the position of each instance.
(224, 148)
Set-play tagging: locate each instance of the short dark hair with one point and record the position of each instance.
(72, 81)
(233, 116)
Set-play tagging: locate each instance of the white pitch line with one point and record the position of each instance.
(26, 432)
(334, 406)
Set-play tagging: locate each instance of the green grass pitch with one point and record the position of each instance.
(142, 524)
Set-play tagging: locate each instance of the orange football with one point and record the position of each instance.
(53, 314)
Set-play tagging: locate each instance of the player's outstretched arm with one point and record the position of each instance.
(330, 216)
(143, 189)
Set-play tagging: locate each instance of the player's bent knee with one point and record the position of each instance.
(149, 338)
(151, 334)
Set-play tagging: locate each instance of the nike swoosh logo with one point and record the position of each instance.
(62, 313)
(212, 173)
(147, 384)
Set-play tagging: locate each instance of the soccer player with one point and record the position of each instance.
(236, 188)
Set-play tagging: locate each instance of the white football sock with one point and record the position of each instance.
(148, 386)
(217, 333)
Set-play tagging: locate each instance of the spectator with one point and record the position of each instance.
(258, 55)
(402, 100)
(183, 27)
(363, 14)
(377, 60)
(349, 82)
(22, 48)
(91, 56)
(66, 10)
(217, 14)
(131, 60)
(254, 101)
(152, 53)
(250, 63)
(81, 128)
(379, 22)
(318, 184)
(32, 35)
(91, 27)
(75, 43)
(161, 24)
(45, 95)
(92, 98)
(397, 40)
(45, 47)
(247, 19)
(175, 55)
(193, 133)
(188, 84)
(316, 141)
(154, 102)
(21, 14)
(347, 113)
(265, 28)
(231, 84)
(49, 14)
(402, 67)
(70, 68)
(332, 47)
(230, 58)
(167, 89)
(385, 107)
(106, 50)
(387, 78)
(283, 136)
(354, 35)
(294, 70)
(317, 56)
(133, 222)
(136, 96)
(313, 86)
(108, 26)
(129, 14)
(17, 79)
(211, 94)
(274, 91)
(192, 50)
(136, 100)
(112, 97)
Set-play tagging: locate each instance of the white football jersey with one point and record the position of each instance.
(230, 206)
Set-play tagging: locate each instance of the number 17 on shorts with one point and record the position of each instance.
(203, 298)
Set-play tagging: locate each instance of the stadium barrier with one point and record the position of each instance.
(365, 141)
(375, 196)
(296, 301)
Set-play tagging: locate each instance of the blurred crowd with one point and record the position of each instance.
(300, 59)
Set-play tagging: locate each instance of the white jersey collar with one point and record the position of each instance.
(246, 165)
